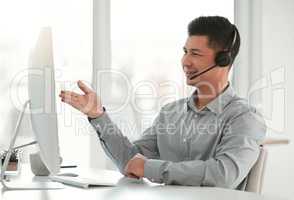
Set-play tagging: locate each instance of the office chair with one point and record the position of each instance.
(256, 174)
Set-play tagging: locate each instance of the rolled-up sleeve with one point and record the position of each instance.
(235, 155)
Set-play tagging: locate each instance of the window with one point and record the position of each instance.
(71, 23)
(147, 39)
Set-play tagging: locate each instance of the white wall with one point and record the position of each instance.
(263, 74)
(277, 53)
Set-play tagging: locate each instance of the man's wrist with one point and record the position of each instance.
(152, 170)
(97, 114)
(135, 166)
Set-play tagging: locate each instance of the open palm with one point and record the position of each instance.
(88, 103)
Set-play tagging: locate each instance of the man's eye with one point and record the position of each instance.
(195, 54)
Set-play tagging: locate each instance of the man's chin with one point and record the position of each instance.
(192, 82)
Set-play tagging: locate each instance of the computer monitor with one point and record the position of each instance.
(42, 102)
(41, 91)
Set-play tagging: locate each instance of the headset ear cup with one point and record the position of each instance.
(223, 59)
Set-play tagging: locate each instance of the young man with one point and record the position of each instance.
(209, 139)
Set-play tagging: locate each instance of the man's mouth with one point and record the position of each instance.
(189, 75)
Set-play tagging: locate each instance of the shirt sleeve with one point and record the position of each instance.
(235, 155)
(118, 147)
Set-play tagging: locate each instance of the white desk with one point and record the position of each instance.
(131, 189)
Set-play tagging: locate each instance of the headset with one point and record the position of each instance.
(222, 58)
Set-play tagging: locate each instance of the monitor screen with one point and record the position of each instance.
(41, 90)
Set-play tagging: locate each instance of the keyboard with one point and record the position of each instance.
(82, 182)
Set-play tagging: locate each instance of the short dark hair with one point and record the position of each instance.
(220, 33)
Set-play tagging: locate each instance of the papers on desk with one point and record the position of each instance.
(82, 182)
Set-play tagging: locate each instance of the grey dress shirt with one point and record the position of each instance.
(215, 146)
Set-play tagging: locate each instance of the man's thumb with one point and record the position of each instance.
(83, 87)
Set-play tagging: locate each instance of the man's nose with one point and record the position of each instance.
(186, 61)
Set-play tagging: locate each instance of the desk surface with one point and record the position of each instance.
(129, 189)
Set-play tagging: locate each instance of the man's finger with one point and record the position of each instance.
(68, 93)
(130, 175)
(83, 87)
(71, 101)
(68, 96)
(68, 99)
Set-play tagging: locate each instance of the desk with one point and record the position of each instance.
(129, 189)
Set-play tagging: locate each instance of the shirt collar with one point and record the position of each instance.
(216, 105)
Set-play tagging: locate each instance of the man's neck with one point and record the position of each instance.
(206, 94)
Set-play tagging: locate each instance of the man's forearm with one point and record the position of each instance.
(117, 146)
(227, 168)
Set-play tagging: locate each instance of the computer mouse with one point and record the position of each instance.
(68, 174)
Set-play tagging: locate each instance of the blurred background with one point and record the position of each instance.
(129, 52)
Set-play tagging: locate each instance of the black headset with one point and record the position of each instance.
(224, 57)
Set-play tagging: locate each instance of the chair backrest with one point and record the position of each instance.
(256, 174)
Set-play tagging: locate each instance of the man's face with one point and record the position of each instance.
(197, 57)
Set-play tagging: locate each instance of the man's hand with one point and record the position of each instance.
(87, 103)
(135, 166)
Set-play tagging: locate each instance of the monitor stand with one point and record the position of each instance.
(25, 186)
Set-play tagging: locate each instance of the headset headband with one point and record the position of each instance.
(234, 39)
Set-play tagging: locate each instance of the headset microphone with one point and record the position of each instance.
(203, 71)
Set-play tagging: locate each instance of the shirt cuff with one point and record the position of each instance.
(90, 119)
(101, 124)
(153, 170)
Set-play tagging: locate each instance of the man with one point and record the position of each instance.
(209, 139)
